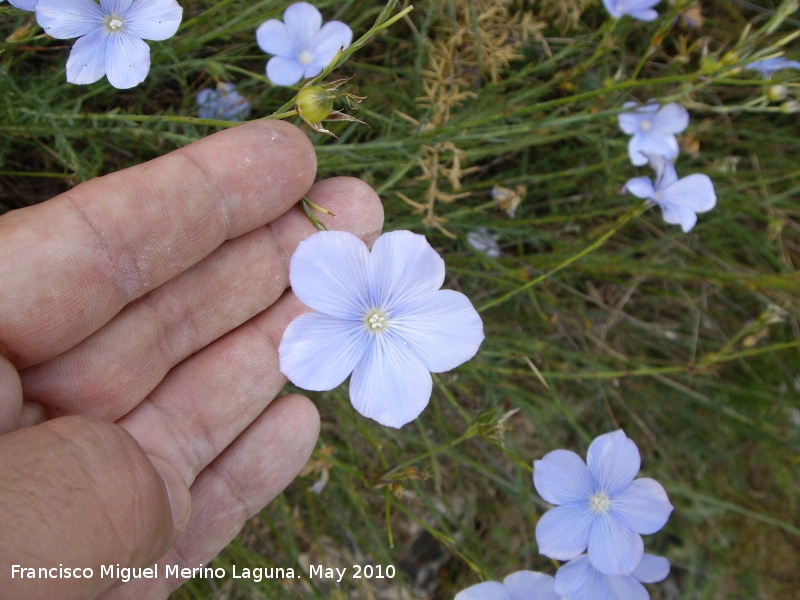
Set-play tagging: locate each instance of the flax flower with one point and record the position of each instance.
(110, 36)
(484, 242)
(380, 316)
(768, 66)
(600, 505)
(223, 103)
(653, 128)
(680, 199)
(522, 585)
(302, 45)
(579, 580)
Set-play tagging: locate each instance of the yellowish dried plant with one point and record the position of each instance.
(477, 43)
(564, 14)
(474, 44)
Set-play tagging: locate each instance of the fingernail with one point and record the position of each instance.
(180, 499)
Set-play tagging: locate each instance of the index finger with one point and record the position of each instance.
(67, 266)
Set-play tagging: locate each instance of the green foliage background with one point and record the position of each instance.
(689, 342)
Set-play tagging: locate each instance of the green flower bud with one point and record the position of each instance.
(314, 104)
(730, 58)
(776, 92)
(789, 107)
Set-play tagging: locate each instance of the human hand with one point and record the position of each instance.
(141, 314)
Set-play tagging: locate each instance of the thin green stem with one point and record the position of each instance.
(631, 214)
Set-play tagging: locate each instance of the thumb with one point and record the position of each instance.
(78, 493)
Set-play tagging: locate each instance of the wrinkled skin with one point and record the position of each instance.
(141, 314)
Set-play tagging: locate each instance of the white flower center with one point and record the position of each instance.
(113, 23)
(657, 196)
(305, 57)
(376, 321)
(645, 125)
(599, 503)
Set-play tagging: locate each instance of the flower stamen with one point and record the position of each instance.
(113, 23)
(305, 57)
(645, 125)
(600, 503)
(376, 321)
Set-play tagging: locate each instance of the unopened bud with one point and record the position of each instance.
(789, 107)
(314, 103)
(776, 92)
(730, 58)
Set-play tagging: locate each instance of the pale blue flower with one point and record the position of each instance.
(23, 4)
(522, 585)
(579, 580)
(601, 506)
(680, 199)
(379, 315)
(223, 103)
(641, 10)
(653, 129)
(301, 44)
(484, 242)
(768, 66)
(111, 36)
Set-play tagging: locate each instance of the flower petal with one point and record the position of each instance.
(530, 585)
(65, 19)
(693, 191)
(665, 171)
(318, 352)
(614, 549)
(23, 4)
(768, 66)
(563, 532)
(115, 7)
(154, 19)
(561, 477)
(574, 575)
(645, 15)
(87, 59)
(629, 122)
(642, 507)
(328, 41)
(652, 569)
(284, 71)
(328, 272)
(625, 588)
(672, 118)
(641, 187)
(489, 590)
(312, 70)
(652, 142)
(679, 215)
(403, 265)
(611, 7)
(127, 60)
(390, 384)
(442, 327)
(273, 38)
(303, 22)
(613, 462)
